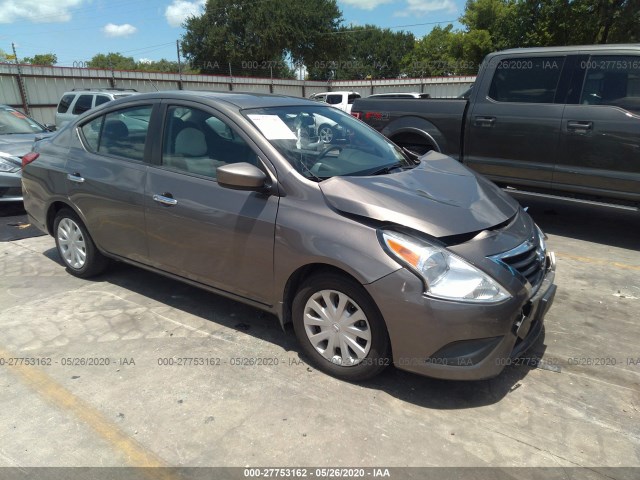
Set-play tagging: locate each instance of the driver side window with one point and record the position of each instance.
(198, 142)
(612, 80)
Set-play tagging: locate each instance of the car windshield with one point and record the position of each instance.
(13, 122)
(321, 142)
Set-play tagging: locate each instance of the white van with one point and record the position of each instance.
(341, 100)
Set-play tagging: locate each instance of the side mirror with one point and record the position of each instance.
(241, 176)
(50, 127)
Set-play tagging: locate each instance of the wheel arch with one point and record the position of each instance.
(298, 277)
(418, 128)
(53, 210)
(412, 136)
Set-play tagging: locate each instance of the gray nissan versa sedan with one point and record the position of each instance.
(374, 257)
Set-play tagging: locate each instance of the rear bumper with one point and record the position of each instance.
(458, 341)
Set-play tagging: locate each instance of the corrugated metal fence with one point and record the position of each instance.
(42, 87)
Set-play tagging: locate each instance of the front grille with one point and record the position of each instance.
(526, 260)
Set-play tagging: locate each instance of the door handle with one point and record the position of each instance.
(75, 177)
(579, 127)
(165, 199)
(484, 121)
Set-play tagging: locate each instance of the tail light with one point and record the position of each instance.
(356, 114)
(28, 158)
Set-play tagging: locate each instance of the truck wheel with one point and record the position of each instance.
(340, 328)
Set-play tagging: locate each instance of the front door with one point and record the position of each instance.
(513, 128)
(197, 229)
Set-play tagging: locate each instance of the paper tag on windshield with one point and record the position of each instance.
(272, 127)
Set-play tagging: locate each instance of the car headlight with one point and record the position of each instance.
(445, 275)
(8, 167)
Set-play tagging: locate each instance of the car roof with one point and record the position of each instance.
(240, 100)
(571, 49)
(395, 93)
(337, 92)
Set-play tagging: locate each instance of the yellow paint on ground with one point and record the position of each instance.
(60, 397)
(598, 261)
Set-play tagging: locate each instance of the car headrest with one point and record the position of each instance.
(191, 142)
(115, 129)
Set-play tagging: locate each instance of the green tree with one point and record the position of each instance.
(432, 55)
(368, 52)
(115, 61)
(164, 66)
(531, 23)
(491, 25)
(257, 38)
(47, 59)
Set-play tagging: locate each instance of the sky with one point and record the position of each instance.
(76, 30)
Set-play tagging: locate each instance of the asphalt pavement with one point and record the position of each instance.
(14, 224)
(134, 369)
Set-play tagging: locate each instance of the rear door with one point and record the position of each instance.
(197, 229)
(106, 174)
(513, 128)
(600, 140)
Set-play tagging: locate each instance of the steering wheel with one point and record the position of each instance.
(318, 165)
(326, 150)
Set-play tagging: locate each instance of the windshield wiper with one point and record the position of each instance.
(390, 168)
(308, 170)
(413, 156)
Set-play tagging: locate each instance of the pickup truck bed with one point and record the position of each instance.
(419, 125)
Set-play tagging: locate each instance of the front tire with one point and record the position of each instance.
(340, 328)
(75, 246)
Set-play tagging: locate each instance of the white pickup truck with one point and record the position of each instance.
(340, 99)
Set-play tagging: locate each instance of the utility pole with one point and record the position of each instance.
(21, 86)
(179, 65)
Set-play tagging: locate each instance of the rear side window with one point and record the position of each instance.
(100, 99)
(526, 80)
(353, 97)
(82, 104)
(91, 133)
(334, 99)
(612, 80)
(124, 132)
(63, 106)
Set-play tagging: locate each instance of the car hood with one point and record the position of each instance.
(20, 143)
(440, 197)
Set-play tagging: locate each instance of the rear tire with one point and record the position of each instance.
(75, 246)
(340, 328)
